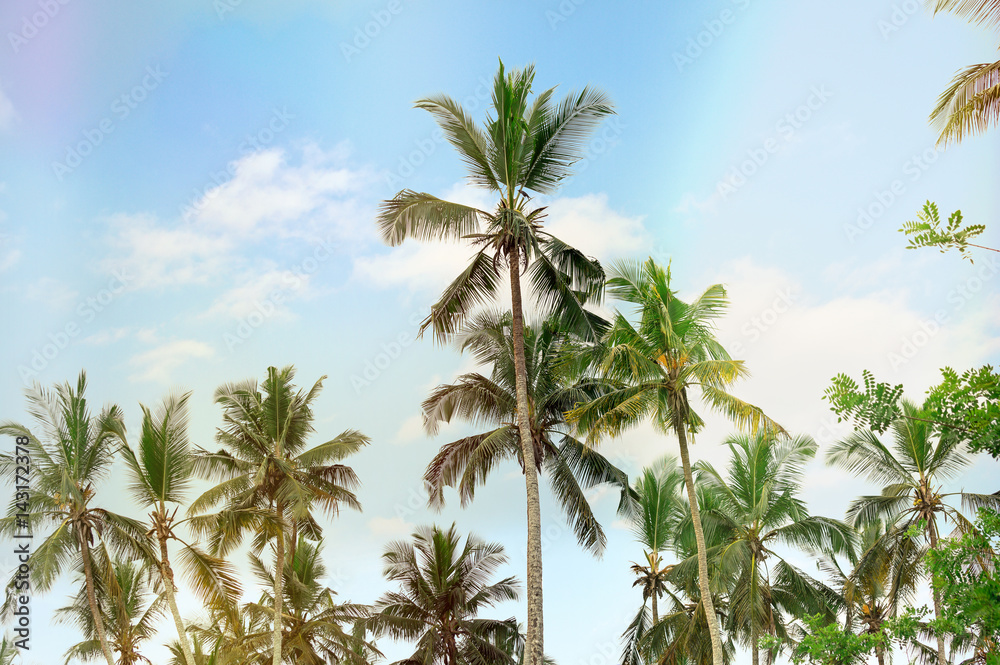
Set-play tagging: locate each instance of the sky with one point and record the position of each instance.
(188, 192)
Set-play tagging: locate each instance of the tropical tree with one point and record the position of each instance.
(650, 370)
(317, 629)
(759, 509)
(911, 468)
(443, 586)
(881, 581)
(523, 150)
(68, 463)
(269, 481)
(553, 388)
(971, 104)
(8, 652)
(659, 509)
(130, 610)
(680, 633)
(160, 474)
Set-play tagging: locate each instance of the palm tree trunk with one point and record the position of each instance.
(880, 654)
(754, 638)
(88, 576)
(279, 582)
(167, 573)
(699, 536)
(932, 530)
(534, 647)
(656, 616)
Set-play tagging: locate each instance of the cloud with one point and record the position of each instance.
(52, 292)
(158, 363)
(392, 527)
(265, 292)
(108, 336)
(411, 430)
(7, 113)
(318, 201)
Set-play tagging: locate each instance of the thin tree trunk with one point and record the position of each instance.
(88, 576)
(279, 582)
(534, 647)
(942, 660)
(880, 654)
(167, 573)
(656, 616)
(754, 639)
(699, 536)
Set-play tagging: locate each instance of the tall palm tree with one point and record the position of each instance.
(652, 367)
(553, 389)
(67, 465)
(911, 469)
(971, 104)
(443, 585)
(160, 474)
(758, 510)
(522, 150)
(130, 610)
(268, 479)
(317, 629)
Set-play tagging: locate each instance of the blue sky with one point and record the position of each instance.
(187, 195)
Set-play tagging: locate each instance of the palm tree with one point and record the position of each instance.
(522, 150)
(8, 652)
(160, 475)
(130, 610)
(680, 635)
(972, 102)
(650, 370)
(491, 401)
(881, 579)
(758, 510)
(658, 499)
(314, 625)
(267, 477)
(443, 585)
(911, 469)
(75, 455)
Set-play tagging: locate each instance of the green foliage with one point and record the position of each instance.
(875, 408)
(972, 401)
(968, 403)
(829, 644)
(965, 572)
(928, 233)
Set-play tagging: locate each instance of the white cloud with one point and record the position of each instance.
(318, 201)
(7, 113)
(392, 527)
(52, 292)
(9, 259)
(158, 363)
(107, 336)
(265, 293)
(411, 430)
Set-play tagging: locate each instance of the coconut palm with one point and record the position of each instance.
(650, 370)
(160, 475)
(758, 510)
(680, 635)
(73, 456)
(317, 629)
(881, 579)
(971, 104)
(443, 586)
(911, 468)
(654, 517)
(8, 652)
(523, 150)
(553, 389)
(130, 611)
(268, 480)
